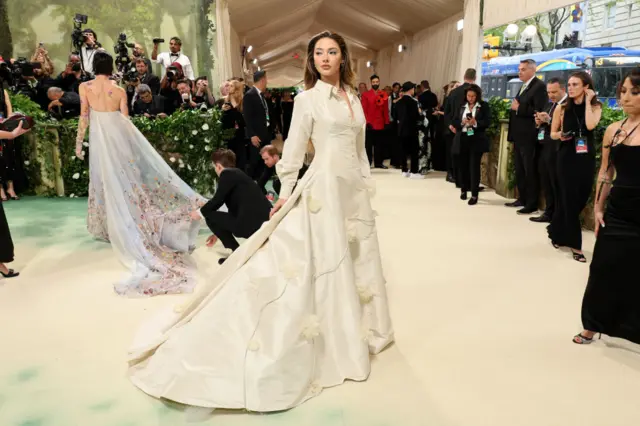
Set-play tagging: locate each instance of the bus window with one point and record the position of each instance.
(606, 81)
(513, 88)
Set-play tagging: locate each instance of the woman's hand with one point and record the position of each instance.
(599, 219)
(18, 131)
(79, 151)
(277, 206)
(589, 94)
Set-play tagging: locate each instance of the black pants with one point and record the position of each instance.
(549, 175)
(469, 166)
(227, 227)
(395, 147)
(409, 146)
(239, 148)
(448, 146)
(374, 145)
(255, 165)
(527, 173)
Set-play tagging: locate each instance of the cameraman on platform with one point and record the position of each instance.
(89, 48)
(174, 55)
(140, 75)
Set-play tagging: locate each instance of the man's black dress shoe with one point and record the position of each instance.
(527, 210)
(516, 203)
(541, 219)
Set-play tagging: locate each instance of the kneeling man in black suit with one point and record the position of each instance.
(247, 206)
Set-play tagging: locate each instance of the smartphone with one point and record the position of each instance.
(568, 134)
(469, 116)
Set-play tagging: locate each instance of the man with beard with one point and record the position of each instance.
(376, 112)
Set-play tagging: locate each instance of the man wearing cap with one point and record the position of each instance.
(408, 111)
(256, 116)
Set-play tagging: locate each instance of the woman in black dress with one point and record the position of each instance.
(10, 163)
(610, 303)
(6, 244)
(471, 141)
(287, 113)
(573, 124)
(232, 118)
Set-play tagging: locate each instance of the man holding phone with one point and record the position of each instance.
(548, 148)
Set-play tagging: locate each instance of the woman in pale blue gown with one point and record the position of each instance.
(136, 201)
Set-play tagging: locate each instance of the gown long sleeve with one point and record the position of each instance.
(296, 146)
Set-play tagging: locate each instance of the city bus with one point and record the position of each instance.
(607, 66)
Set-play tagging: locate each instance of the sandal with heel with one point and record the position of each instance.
(579, 257)
(579, 339)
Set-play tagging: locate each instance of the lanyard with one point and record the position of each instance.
(620, 130)
(580, 123)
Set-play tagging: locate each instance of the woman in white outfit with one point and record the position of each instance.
(302, 304)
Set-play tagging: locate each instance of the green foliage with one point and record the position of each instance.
(499, 111)
(185, 140)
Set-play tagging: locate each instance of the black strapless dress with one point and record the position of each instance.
(611, 303)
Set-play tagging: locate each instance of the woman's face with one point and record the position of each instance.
(575, 87)
(630, 98)
(472, 97)
(200, 85)
(327, 57)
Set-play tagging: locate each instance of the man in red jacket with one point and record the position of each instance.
(375, 104)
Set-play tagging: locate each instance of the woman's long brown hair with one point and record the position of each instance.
(311, 74)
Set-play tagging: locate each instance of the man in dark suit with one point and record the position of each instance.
(248, 207)
(456, 100)
(549, 149)
(531, 99)
(408, 111)
(429, 102)
(271, 156)
(257, 119)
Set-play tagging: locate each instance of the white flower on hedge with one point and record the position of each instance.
(172, 159)
(83, 152)
(189, 167)
(182, 165)
(76, 176)
(72, 195)
(26, 163)
(310, 328)
(85, 143)
(190, 146)
(73, 157)
(195, 132)
(195, 181)
(207, 148)
(176, 138)
(207, 140)
(205, 126)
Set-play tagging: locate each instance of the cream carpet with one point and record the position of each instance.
(484, 309)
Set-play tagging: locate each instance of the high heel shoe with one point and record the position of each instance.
(579, 339)
(10, 273)
(579, 257)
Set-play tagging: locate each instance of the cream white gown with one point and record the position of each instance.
(299, 306)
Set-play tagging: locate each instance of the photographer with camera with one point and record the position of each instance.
(138, 53)
(167, 59)
(186, 99)
(69, 80)
(169, 87)
(149, 104)
(42, 56)
(140, 75)
(203, 94)
(89, 47)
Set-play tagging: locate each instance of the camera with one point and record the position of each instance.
(130, 76)
(122, 51)
(77, 38)
(16, 75)
(158, 40)
(172, 72)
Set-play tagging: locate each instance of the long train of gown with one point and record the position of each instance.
(141, 206)
(299, 306)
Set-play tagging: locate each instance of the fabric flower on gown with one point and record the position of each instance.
(314, 205)
(254, 345)
(365, 293)
(290, 270)
(311, 328)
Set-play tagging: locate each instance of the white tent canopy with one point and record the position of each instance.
(437, 50)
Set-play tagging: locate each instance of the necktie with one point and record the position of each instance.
(522, 89)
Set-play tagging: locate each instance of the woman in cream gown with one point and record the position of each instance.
(301, 305)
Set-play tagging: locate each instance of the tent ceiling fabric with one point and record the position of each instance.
(280, 29)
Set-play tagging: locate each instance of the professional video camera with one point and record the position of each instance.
(77, 37)
(122, 51)
(16, 75)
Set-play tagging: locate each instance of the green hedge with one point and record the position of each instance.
(186, 140)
